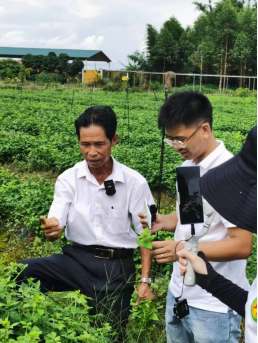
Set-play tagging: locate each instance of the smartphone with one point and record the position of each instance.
(189, 195)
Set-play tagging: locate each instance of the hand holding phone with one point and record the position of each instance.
(190, 210)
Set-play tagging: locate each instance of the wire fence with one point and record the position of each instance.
(221, 83)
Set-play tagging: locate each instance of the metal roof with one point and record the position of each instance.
(90, 55)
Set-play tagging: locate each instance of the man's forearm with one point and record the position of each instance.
(224, 250)
(169, 222)
(146, 262)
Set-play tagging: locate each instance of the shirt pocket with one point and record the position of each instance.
(118, 222)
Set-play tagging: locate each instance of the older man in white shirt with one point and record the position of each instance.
(97, 201)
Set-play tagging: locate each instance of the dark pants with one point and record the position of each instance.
(109, 282)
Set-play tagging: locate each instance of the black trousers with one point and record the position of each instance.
(109, 282)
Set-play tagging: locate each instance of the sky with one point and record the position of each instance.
(116, 27)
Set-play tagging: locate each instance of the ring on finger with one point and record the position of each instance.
(162, 255)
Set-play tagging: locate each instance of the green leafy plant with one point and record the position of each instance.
(144, 314)
(29, 316)
(145, 239)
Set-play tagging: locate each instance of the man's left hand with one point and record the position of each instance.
(144, 292)
(165, 251)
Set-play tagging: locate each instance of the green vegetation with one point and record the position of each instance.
(145, 239)
(12, 71)
(43, 69)
(27, 315)
(221, 41)
(38, 142)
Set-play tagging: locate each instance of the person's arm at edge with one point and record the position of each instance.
(144, 291)
(237, 247)
(169, 222)
(140, 192)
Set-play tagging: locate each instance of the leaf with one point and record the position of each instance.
(145, 239)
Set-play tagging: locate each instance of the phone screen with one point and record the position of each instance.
(190, 198)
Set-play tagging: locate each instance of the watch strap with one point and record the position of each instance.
(146, 280)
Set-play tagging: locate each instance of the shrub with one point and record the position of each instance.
(245, 92)
(45, 77)
(156, 86)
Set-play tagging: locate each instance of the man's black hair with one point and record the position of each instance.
(102, 116)
(186, 107)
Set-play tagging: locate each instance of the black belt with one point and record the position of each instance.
(105, 252)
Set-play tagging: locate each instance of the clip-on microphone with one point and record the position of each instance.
(151, 213)
(110, 187)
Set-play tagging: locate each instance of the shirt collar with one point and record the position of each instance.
(116, 175)
(212, 156)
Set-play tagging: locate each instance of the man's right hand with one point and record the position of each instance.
(51, 228)
(156, 226)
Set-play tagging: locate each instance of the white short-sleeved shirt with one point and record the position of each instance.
(91, 216)
(234, 270)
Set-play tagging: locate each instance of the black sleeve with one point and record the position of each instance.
(226, 291)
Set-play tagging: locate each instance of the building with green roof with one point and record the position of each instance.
(85, 55)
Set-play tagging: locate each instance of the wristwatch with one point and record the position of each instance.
(147, 280)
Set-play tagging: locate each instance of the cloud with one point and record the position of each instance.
(2, 10)
(18, 38)
(35, 3)
(85, 9)
(92, 42)
(116, 27)
(13, 38)
(58, 42)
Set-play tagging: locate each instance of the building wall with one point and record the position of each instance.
(89, 76)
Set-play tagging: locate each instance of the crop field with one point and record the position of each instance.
(37, 143)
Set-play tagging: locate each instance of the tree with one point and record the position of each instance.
(223, 40)
(63, 60)
(76, 67)
(10, 68)
(137, 61)
(50, 63)
(164, 48)
(245, 51)
(151, 40)
(238, 4)
(204, 8)
(226, 27)
(53, 64)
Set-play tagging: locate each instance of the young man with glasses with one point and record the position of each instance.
(187, 119)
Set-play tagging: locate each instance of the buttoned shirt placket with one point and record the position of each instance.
(98, 229)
